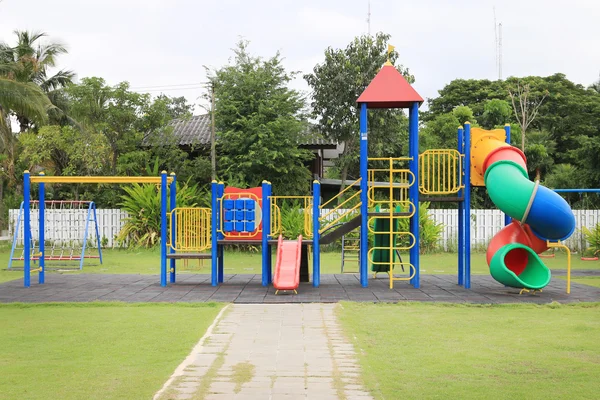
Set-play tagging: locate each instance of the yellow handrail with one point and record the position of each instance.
(559, 244)
(341, 193)
(340, 206)
(337, 219)
(276, 226)
(440, 171)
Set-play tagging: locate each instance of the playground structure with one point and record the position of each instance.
(541, 217)
(70, 231)
(376, 207)
(389, 192)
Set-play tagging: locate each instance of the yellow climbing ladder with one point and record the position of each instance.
(387, 195)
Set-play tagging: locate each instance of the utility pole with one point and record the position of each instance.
(213, 152)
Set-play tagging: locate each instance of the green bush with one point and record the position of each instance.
(142, 203)
(592, 236)
(292, 220)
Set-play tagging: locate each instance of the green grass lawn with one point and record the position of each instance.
(437, 351)
(95, 350)
(237, 262)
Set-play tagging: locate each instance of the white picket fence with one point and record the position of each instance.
(69, 225)
(484, 225)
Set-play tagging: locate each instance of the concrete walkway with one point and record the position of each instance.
(276, 351)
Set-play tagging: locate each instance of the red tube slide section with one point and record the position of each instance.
(516, 260)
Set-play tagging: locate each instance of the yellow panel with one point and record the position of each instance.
(440, 172)
(192, 229)
(482, 141)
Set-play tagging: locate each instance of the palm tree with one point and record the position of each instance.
(28, 63)
(25, 99)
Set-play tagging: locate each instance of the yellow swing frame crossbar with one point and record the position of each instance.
(98, 179)
(440, 172)
(192, 229)
(561, 245)
(276, 223)
(406, 179)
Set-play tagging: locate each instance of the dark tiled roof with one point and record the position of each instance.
(196, 131)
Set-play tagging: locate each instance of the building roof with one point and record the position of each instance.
(196, 131)
(389, 89)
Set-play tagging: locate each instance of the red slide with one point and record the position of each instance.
(287, 269)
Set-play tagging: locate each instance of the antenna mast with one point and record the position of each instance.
(495, 42)
(500, 51)
(369, 19)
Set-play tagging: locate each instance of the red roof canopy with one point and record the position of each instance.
(389, 89)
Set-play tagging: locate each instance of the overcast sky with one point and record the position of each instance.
(166, 42)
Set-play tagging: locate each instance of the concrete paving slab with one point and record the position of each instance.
(263, 351)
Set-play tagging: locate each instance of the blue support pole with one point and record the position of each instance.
(163, 228)
(85, 235)
(42, 240)
(16, 235)
(467, 202)
(577, 190)
(172, 206)
(364, 202)
(26, 229)
(461, 211)
(221, 263)
(266, 232)
(214, 237)
(413, 191)
(220, 254)
(316, 235)
(507, 130)
(98, 241)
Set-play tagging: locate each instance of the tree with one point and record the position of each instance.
(115, 112)
(466, 92)
(28, 100)
(539, 149)
(440, 133)
(29, 62)
(464, 114)
(496, 112)
(64, 150)
(336, 84)
(259, 121)
(526, 106)
(595, 86)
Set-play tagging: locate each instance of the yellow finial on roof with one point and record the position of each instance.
(389, 51)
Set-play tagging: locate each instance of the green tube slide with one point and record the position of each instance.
(535, 275)
(509, 188)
